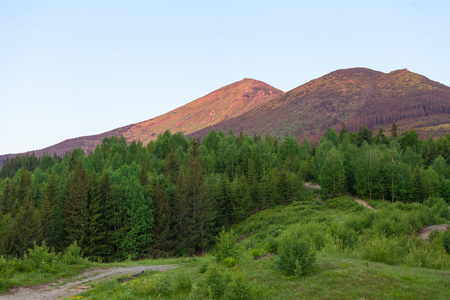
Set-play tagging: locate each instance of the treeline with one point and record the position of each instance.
(371, 166)
(172, 196)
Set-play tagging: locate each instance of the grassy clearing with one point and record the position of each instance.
(41, 265)
(360, 254)
(335, 278)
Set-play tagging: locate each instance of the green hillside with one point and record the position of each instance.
(355, 257)
(219, 203)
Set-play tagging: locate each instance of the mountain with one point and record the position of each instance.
(356, 96)
(227, 102)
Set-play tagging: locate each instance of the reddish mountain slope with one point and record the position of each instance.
(356, 96)
(222, 104)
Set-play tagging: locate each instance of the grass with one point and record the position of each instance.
(336, 278)
(360, 254)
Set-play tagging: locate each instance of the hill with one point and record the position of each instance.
(356, 96)
(227, 102)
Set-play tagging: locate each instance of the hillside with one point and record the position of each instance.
(356, 96)
(227, 102)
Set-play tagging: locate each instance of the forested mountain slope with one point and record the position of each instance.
(355, 96)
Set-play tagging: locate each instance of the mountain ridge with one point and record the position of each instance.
(355, 96)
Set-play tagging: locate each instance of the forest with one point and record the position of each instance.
(173, 196)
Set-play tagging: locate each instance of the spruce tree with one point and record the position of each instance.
(194, 210)
(27, 230)
(162, 215)
(75, 212)
(50, 214)
(94, 235)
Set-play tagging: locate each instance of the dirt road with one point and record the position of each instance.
(78, 284)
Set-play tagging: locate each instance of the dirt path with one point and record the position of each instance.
(79, 284)
(364, 203)
(310, 185)
(424, 233)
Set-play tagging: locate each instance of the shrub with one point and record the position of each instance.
(295, 255)
(383, 249)
(271, 245)
(216, 281)
(347, 236)
(256, 253)
(183, 283)
(72, 254)
(241, 288)
(203, 268)
(226, 246)
(230, 262)
(446, 240)
(40, 257)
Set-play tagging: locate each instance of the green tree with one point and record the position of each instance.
(50, 214)
(162, 214)
(194, 212)
(332, 174)
(136, 226)
(75, 206)
(27, 229)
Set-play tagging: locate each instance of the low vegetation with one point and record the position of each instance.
(242, 201)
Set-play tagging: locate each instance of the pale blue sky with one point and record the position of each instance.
(74, 68)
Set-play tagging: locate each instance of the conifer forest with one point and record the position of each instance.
(174, 195)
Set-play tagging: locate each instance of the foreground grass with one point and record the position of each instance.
(39, 276)
(335, 278)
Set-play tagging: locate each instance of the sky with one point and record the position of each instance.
(73, 68)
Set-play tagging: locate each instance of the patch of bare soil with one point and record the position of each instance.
(364, 203)
(310, 185)
(79, 284)
(424, 233)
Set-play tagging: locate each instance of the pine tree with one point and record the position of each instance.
(394, 134)
(342, 133)
(107, 215)
(162, 215)
(50, 213)
(194, 212)
(27, 230)
(94, 234)
(75, 207)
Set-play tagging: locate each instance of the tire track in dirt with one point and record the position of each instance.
(78, 285)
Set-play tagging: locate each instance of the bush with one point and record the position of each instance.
(241, 288)
(230, 262)
(295, 255)
(383, 249)
(203, 268)
(183, 283)
(347, 237)
(446, 240)
(72, 254)
(256, 253)
(271, 245)
(227, 246)
(216, 282)
(40, 257)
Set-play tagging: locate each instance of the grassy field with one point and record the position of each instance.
(335, 278)
(360, 255)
